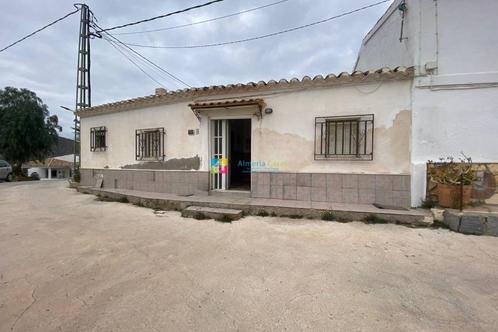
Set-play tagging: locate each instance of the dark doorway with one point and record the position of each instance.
(239, 154)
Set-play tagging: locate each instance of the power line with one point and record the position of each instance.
(42, 28)
(203, 21)
(115, 39)
(134, 63)
(261, 36)
(149, 61)
(162, 16)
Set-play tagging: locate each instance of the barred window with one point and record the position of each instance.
(98, 139)
(344, 137)
(149, 144)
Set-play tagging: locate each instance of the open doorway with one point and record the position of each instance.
(239, 154)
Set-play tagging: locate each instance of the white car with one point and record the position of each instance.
(6, 171)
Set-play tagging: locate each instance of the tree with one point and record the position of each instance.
(27, 130)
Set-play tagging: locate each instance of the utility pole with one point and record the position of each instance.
(83, 87)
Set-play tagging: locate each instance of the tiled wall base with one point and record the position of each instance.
(391, 190)
(175, 182)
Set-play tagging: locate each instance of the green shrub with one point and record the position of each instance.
(427, 203)
(374, 219)
(328, 216)
(123, 199)
(262, 213)
(200, 216)
(77, 175)
(225, 218)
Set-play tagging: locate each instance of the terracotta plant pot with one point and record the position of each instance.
(449, 195)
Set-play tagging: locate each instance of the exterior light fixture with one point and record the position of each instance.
(268, 110)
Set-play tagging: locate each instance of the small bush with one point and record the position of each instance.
(328, 216)
(262, 213)
(225, 218)
(427, 203)
(123, 199)
(200, 216)
(273, 214)
(295, 216)
(373, 219)
(139, 203)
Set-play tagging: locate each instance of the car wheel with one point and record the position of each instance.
(10, 177)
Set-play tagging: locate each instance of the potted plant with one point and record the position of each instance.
(454, 181)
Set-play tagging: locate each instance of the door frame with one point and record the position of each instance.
(226, 181)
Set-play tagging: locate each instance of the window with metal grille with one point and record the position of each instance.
(344, 137)
(149, 144)
(98, 139)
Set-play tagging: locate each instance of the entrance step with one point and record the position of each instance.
(230, 193)
(204, 212)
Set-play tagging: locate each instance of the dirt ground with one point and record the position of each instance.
(71, 263)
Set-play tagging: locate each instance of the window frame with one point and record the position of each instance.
(140, 135)
(363, 148)
(96, 132)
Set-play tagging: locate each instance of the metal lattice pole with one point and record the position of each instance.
(83, 87)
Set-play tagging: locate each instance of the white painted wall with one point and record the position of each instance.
(455, 106)
(286, 135)
(176, 119)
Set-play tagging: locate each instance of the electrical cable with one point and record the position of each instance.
(261, 36)
(115, 39)
(161, 16)
(134, 63)
(41, 29)
(203, 21)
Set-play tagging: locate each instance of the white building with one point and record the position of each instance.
(453, 47)
(59, 167)
(353, 138)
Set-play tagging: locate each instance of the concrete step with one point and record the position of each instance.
(203, 212)
(230, 193)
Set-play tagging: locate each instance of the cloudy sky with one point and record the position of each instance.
(46, 63)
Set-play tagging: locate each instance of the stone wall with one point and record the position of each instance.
(175, 182)
(393, 190)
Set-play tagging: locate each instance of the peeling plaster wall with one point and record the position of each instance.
(176, 120)
(287, 135)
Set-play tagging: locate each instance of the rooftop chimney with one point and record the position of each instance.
(161, 91)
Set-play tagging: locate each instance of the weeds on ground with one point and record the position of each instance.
(273, 214)
(373, 219)
(139, 203)
(123, 199)
(224, 218)
(262, 213)
(427, 204)
(328, 216)
(200, 216)
(438, 224)
(295, 216)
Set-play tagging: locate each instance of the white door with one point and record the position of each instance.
(219, 159)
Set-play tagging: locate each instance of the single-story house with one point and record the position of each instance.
(343, 138)
(58, 167)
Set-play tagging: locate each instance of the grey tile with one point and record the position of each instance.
(277, 179)
(261, 191)
(303, 179)
(290, 179)
(350, 181)
(401, 198)
(318, 194)
(277, 192)
(366, 196)
(334, 181)
(401, 182)
(384, 197)
(263, 178)
(335, 195)
(290, 192)
(350, 196)
(319, 180)
(366, 181)
(303, 193)
(383, 182)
